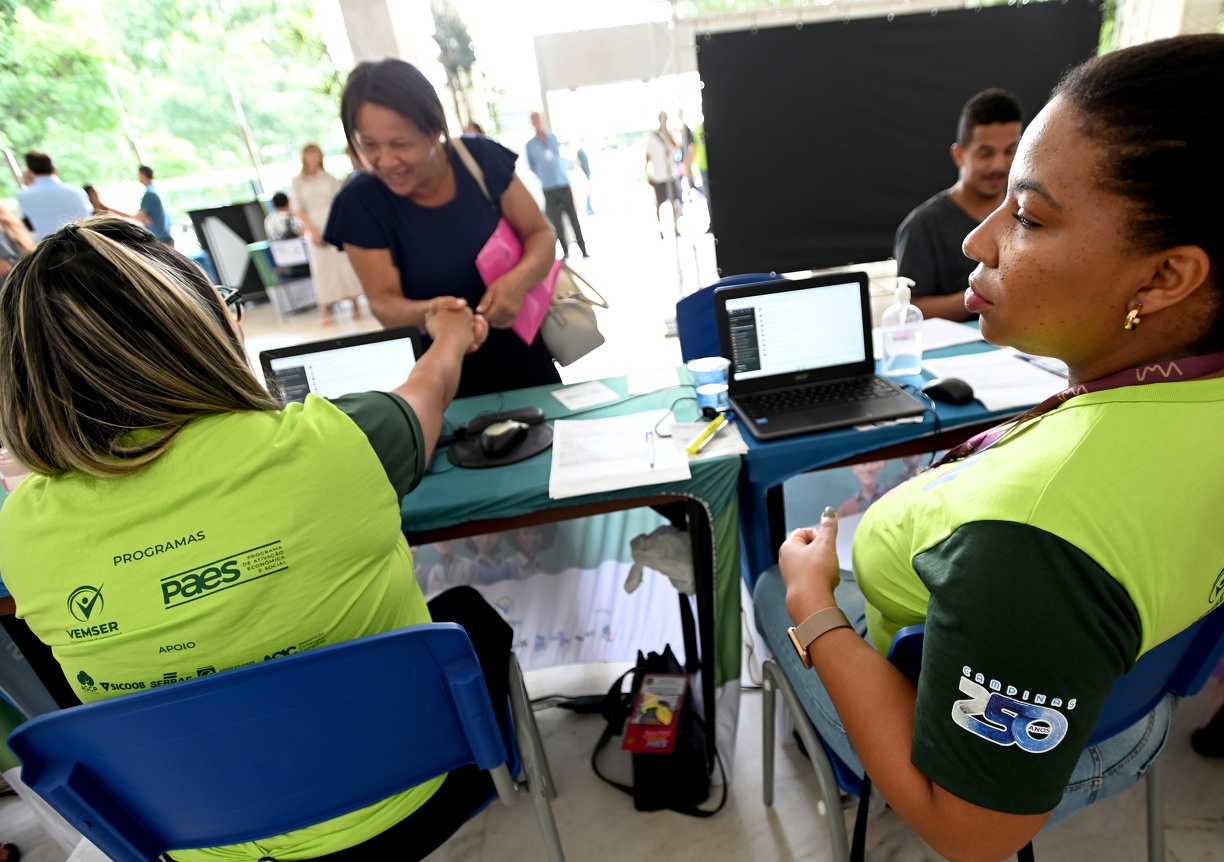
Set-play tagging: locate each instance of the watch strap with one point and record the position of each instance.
(814, 626)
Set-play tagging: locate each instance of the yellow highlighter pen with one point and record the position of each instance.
(707, 434)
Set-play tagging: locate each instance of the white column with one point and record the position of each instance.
(1144, 20)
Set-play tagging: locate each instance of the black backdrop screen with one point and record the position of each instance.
(821, 139)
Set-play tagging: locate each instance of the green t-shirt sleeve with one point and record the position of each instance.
(394, 433)
(1025, 636)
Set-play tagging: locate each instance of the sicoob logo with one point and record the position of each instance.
(85, 602)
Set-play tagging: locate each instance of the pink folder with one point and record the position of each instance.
(499, 255)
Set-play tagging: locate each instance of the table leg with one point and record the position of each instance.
(701, 536)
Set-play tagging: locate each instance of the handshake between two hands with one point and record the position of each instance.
(450, 316)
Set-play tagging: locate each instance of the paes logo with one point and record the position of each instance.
(85, 602)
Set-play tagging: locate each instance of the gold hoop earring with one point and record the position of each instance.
(1132, 319)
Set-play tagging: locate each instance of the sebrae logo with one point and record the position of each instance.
(85, 602)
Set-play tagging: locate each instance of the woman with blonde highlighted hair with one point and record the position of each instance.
(164, 474)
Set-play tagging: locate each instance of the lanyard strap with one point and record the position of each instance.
(1189, 368)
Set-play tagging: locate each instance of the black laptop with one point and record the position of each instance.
(363, 362)
(801, 358)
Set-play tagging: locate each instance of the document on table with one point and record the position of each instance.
(591, 456)
(1000, 380)
(585, 395)
(728, 440)
(936, 333)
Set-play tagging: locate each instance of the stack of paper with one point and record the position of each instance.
(1000, 380)
(591, 456)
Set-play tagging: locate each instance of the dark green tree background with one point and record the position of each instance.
(62, 63)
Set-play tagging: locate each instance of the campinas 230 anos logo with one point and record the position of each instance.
(85, 603)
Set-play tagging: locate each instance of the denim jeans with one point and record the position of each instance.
(1102, 770)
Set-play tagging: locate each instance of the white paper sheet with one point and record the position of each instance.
(936, 333)
(641, 382)
(728, 440)
(585, 395)
(999, 379)
(591, 456)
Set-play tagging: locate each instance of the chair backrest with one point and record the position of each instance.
(695, 321)
(1180, 665)
(265, 749)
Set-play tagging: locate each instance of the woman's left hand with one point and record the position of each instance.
(808, 562)
(501, 303)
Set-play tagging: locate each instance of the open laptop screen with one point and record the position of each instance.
(787, 331)
(369, 361)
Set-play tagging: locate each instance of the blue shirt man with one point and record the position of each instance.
(47, 202)
(152, 208)
(544, 159)
(152, 212)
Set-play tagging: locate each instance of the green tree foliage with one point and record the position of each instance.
(63, 61)
(456, 55)
(54, 93)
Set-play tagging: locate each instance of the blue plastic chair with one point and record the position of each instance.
(276, 746)
(1180, 665)
(695, 321)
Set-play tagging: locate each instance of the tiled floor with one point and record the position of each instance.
(597, 822)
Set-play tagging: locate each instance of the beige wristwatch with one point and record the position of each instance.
(813, 627)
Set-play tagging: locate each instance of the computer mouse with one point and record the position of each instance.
(500, 437)
(949, 390)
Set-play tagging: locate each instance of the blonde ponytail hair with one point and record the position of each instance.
(110, 344)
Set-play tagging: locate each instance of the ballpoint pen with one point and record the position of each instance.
(707, 434)
(650, 447)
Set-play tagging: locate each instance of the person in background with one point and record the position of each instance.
(15, 241)
(414, 223)
(152, 212)
(282, 222)
(1046, 557)
(584, 164)
(312, 192)
(661, 171)
(95, 199)
(473, 128)
(928, 242)
(544, 159)
(688, 147)
(46, 203)
(145, 431)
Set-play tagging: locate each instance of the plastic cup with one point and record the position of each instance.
(712, 395)
(709, 369)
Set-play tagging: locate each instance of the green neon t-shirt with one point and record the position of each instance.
(1044, 567)
(254, 536)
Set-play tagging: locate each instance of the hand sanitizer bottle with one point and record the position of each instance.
(901, 331)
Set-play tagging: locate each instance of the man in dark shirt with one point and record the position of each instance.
(928, 243)
(152, 213)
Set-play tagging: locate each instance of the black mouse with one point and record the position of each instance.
(500, 437)
(949, 390)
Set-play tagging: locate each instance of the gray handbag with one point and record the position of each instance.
(570, 330)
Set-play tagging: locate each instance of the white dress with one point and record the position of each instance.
(333, 275)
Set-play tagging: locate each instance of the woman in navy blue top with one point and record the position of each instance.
(413, 225)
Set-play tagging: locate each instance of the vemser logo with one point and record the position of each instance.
(188, 586)
(85, 603)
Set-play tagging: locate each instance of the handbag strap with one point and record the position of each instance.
(469, 162)
(601, 302)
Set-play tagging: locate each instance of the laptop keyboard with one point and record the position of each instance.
(779, 401)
